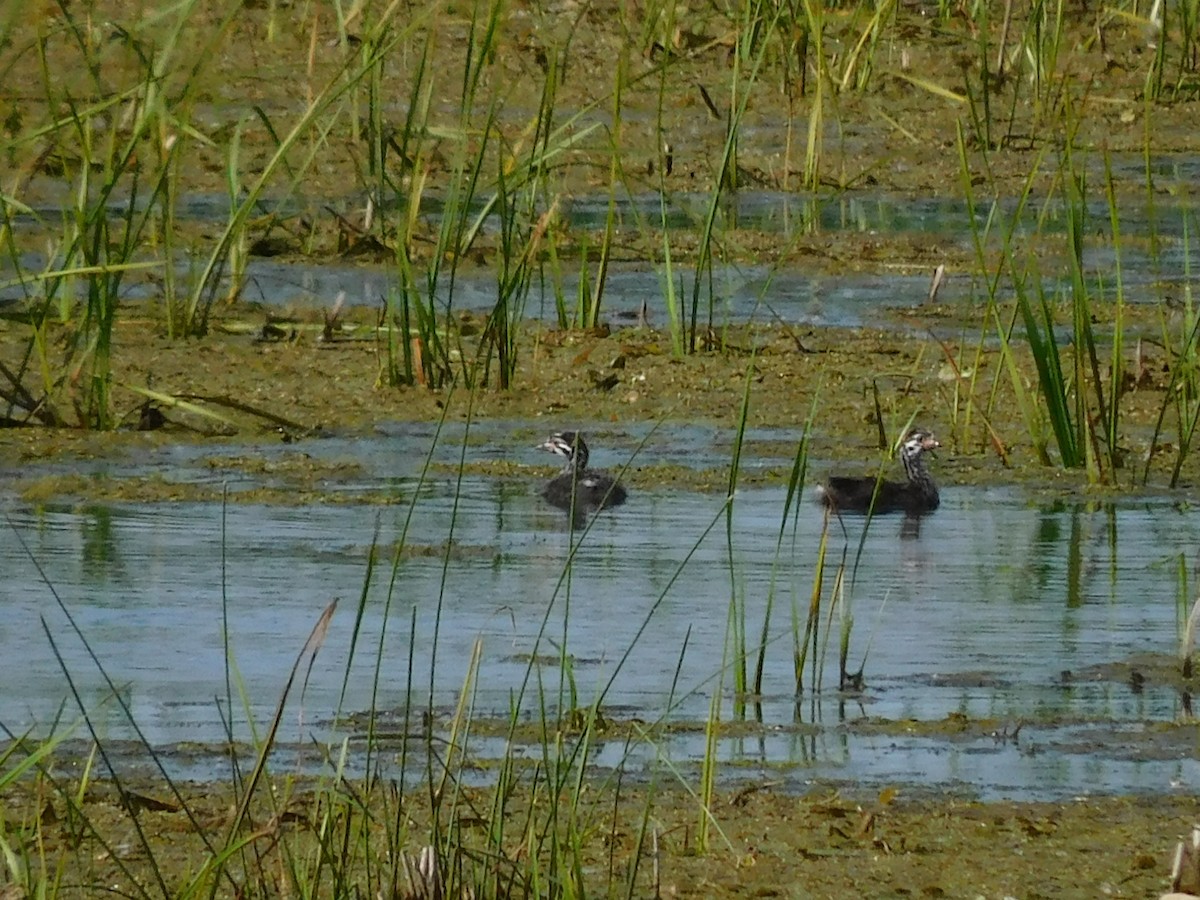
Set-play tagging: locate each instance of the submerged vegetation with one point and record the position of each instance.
(154, 158)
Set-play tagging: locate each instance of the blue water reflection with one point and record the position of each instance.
(981, 614)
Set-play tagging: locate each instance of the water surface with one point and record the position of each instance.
(999, 609)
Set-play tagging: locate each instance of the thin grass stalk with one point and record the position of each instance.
(234, 266)
(439, 607)
(1039, 332)
(642, 629)
(577, 822)
(1084, 353)
(204, 292)
(726, 179)
(521, 238)
(638, 851)
(658, 19)
(355, 633)
(805, 640)
(542, 830)
(113, 690)
(562, 760)
(404, 303)
(845, 627)
(582, 290)
(167, 228)
(31, 760)
(27, 868)
(457, 233)
(1188, 16)
(856, 680)
(1187, 639)
(312, 646)
(105, 251)
(978, 240)
(75, 805)
(1116, 359)
(409, 692)
(552, 280)
(500, 818)
(567, 697)
(685, 784)
(982, 122)
(1149, 183)
(226, 637)
(153, 113)
(451, 243)
(1156, 73)
(675, 313)
(346, 42)
(449, 787)
(1187, 409)
(737, 609)
(859, 61)
(836, 599)
(979, 111)
(708, 765)
(462, 221)
(401, 363)
(1048, 25)
(389, 599)
(1033, 423)
(1023, 310)
(592, 319)
(248, 853)
(645, 733)
(513, 275)
(1018, 104)
(377, 138)
(814, 31)
(216, 867)
(1183, 593)
(959, 407)
(1183, 388)
(795, 486)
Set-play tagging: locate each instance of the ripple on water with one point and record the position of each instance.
(980, 615)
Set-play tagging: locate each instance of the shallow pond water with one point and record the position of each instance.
(1158, 243)
(1000, 609)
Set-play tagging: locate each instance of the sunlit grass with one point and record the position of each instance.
(449, 173)
(395, 824)
(493, 178)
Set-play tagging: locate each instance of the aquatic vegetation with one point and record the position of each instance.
(431, 781)
(454, 162)
(542, 800)
(1073, 324)
(451, 167)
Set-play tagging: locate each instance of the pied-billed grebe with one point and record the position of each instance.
(914, 497)
(577, 487)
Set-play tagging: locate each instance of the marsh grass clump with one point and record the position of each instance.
(116, 135)
(1071, 322)
(454, 136)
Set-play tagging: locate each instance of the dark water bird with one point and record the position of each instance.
(578, 488)
(914, 497)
